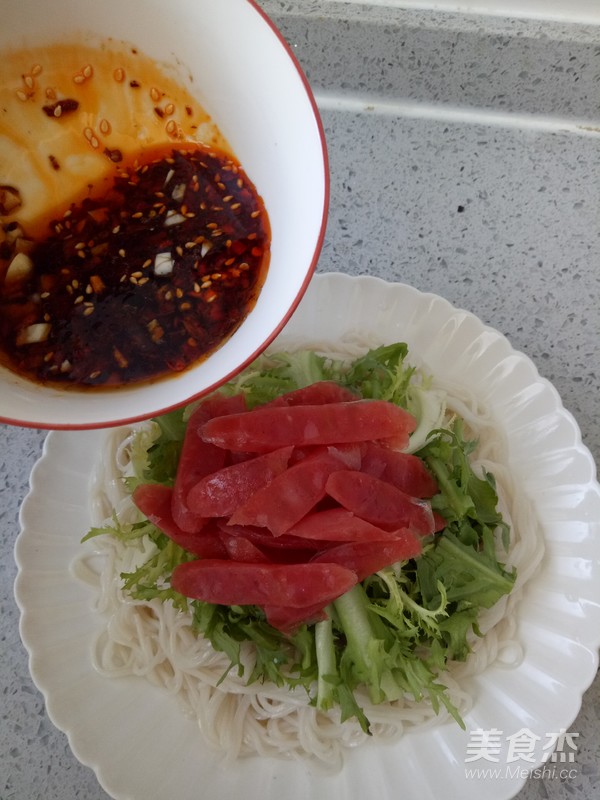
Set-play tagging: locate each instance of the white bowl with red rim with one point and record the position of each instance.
(245, 76)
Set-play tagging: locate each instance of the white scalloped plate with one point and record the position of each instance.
(135, 737)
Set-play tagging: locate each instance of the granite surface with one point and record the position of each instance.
(464, 161)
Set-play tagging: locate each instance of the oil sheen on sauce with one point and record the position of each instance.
(132, 243)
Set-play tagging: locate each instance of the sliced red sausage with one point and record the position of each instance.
(366, 558)
(269, 428)
(379, 502)
(199, 458)
(287, 620)
(221, 492)
(338, 525)
(289, 496)
(240, 548)
(155, 502)
(315, 394)
(236, 583)
(405, 471)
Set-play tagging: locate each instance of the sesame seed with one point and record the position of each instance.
(179, 293)
(57, 111)
(75, 283)
(21, 95)
(171, 127)
(78, 299)
(105, 127)
(196, 287)
(137, 274)
(119, 74)
(210, 297)
(88, 71)
(120, 358)
(133, 280)
(154, 94)
(122, 253)
(228, 199)
(94, 142)
(50, 93)
(185, 306)
(179, 250)
(137, 215)
(45, 294)
(79, 245)
(78, 78)
(215, 276)
(235, 206)
(206, 284)
(87, 311)
(143, 280)
(36, 70)
(147, 263)
(189, 245)
(28, 81)
(88, 133)
(116, 229)
(94, 374)
(168, 295)
(81, 254)
(255, 214)
(169, 109)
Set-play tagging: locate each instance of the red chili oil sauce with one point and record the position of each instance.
(142, 280)
(140, 250)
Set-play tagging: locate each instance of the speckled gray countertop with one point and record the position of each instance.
(465, 161)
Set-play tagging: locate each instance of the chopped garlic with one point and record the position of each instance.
(163, 264)
(38, 332)
(174, 218)
(178, 192)
(19, 268)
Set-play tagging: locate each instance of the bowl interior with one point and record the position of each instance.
(245, 77)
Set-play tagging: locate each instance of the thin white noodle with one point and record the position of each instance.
(154, 640)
